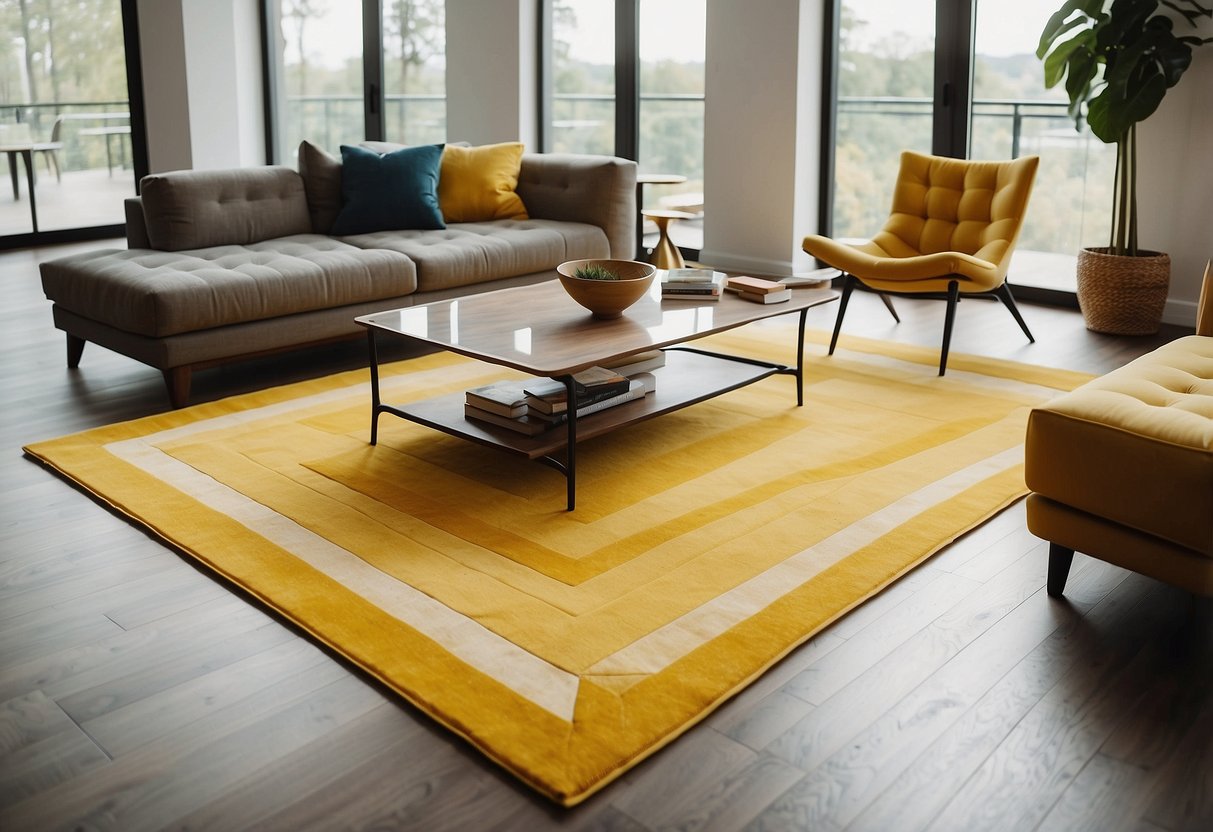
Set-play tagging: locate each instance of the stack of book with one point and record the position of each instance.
(533, 406)
(758, 290)
(692, 284)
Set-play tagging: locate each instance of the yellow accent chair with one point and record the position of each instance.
(950, 234)
(1121, 468)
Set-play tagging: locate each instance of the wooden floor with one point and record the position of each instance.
(138, 693)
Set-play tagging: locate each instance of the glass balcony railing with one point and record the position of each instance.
(82, 160)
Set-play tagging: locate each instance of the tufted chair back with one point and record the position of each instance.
(972, 207)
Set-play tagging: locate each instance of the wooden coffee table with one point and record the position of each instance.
(540, 330)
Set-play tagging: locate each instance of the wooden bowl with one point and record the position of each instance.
(607, 298)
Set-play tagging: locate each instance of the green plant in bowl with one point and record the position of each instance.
(606, 287)
(595, 271)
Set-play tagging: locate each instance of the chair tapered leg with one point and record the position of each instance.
(848, 286)
(1003, 293)
(949, 318)
(1060, 559)
(888, 304)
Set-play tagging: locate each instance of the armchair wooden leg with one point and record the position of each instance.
(949, 319)
(1003, 293)
(848, 286)
(1060, 559)
(888, 304)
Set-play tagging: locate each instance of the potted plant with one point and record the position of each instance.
(1118, 59)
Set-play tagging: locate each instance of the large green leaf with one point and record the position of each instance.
(1057, 63)
(1125, 22)
(1082, 72)
(1058, 25)
(1117, 108)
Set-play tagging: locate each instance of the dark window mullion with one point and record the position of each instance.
(627, 79)
(372, 69)
(953, 77)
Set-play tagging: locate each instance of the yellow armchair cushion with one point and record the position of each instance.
(950, 217)
(478, 184)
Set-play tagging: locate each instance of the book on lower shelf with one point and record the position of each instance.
(593, 381)
(505, 398)
(527, 423)
(533, 423)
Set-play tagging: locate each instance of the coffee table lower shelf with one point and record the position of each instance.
(689, 376)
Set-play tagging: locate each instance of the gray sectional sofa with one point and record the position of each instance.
(227, 265)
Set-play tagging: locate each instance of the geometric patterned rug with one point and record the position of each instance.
(567, 647)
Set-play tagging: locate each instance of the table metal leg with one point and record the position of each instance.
(375, 408)
(570, 454)
(800, 360)
(12, 172)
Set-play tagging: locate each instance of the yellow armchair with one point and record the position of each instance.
(950, 234)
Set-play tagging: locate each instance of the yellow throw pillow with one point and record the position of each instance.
(477, 184)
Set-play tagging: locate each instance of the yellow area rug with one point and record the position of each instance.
(706, 544)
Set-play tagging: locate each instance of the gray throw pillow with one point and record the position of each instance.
(321, 174)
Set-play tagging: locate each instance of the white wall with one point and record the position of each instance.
(1175, 183)
(761, 133)
(202, 83)
(165, 91)
(491, 71)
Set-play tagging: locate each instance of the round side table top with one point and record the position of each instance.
(662, 213)
(660, 179)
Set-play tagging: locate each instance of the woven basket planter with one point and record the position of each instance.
(1123, 295)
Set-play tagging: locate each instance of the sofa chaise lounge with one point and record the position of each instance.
(230, 264)
(1121, 468)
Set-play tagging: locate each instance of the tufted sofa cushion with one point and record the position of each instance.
(1135, 446)
(200, 208)
(471, 252)
(160, 293)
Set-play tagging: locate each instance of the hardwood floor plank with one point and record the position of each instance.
(308, 770)
(1103, 796)
(1017, 785)
(183, 660)
(40, 747)
(845, 714)
(79, 667)
(913, 798)
(704, 781)
(838, 790)
(842, 666)
(738, 709)
(424, 785)
(144, 790)
(120, 730)
(1183, 792)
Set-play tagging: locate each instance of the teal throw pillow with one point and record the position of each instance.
(389, 192)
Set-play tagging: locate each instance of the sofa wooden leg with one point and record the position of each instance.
(177, 379)
(1060, 559)
(75, 348)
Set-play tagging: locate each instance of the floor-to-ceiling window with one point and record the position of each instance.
(65, 118)
(961, 78)
(627, 78)
(346, 70)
